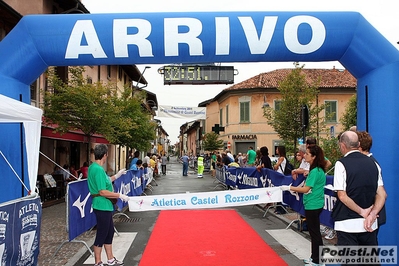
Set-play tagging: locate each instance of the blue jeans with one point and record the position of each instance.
(185, 168)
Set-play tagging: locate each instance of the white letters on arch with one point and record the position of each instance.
(291, 34)
(84, 28)
(257, 43)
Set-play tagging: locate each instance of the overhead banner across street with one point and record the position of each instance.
(192, 113)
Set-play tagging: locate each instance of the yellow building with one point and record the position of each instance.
(239, 108)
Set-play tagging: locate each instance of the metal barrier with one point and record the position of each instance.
(220, 177)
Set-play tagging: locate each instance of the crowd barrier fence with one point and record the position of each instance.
(250, 177)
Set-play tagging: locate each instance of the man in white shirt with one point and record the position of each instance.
(304, 166)
(230, 156)
(361, 194)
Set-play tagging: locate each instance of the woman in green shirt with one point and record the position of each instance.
(102, 191)
(313, 198)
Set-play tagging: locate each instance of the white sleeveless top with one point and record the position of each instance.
(282, 166)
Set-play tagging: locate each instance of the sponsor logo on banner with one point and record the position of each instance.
(206, 199)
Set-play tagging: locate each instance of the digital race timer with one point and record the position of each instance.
(200, 74)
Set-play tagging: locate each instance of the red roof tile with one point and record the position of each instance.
(329, 78)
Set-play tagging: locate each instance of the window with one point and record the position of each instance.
(330, 111)
(33, 91)
(277, 105)
(221, 117)
(244, 112)
(119, 72)
(109, 72)
(245, 109)
(227, 115)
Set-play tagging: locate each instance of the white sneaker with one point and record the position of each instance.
(307, 261)
(114, 262)
(314, 264)
(330, 235)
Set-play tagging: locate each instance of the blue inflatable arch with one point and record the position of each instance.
(162, 38)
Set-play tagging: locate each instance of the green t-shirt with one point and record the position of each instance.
(251, 157)
(98, 180)
(316, 180)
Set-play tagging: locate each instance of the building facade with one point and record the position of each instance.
(239, 108)
(71, 148)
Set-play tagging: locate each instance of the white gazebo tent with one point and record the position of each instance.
(13, 111)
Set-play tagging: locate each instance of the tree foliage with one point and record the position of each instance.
(211, 142)
(349, 118)
(286, 120)
(137, 131)
(97, 109)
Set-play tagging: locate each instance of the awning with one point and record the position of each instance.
(75, 136)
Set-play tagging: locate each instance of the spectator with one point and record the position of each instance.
(366, 142)
(133, 163)
(225, 159)
(185, 161)
(159, 164)
(73, 173)
(241, 160)
(153, 165)
(147, 158)
(313, 202)
(66, 174)
(264, 161)
(251, 157)
(101, 189)
(84, 170)
(360, 194)
(213, 163)
(231, 157)
(312, 141)
(282, 160)
(234, 164)
(164, 161)
(304, 165)
(57, 170)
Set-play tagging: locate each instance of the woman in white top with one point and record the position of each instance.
(282, 161)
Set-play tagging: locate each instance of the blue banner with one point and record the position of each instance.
(80, 215)
(20, 223)
(250, 177)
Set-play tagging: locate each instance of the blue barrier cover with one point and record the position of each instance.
(20, 223)
(249, 177)
(80, 217)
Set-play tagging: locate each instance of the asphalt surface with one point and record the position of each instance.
(54, 235)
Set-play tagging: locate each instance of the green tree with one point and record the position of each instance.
(77, 105)
(96, 109)
(132, 127)
(349, 118)
(286, 120)
(212, 142)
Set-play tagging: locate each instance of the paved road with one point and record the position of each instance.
(138, 226)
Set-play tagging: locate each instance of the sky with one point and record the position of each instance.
(383, 15)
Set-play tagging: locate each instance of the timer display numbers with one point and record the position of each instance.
(198, 75)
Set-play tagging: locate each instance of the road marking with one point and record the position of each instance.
(292, 241)
(120, 247)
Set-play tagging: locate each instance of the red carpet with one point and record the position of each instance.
(206, 237)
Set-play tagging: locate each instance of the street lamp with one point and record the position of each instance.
(142, 76)
(154, 106)
(265, 104)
